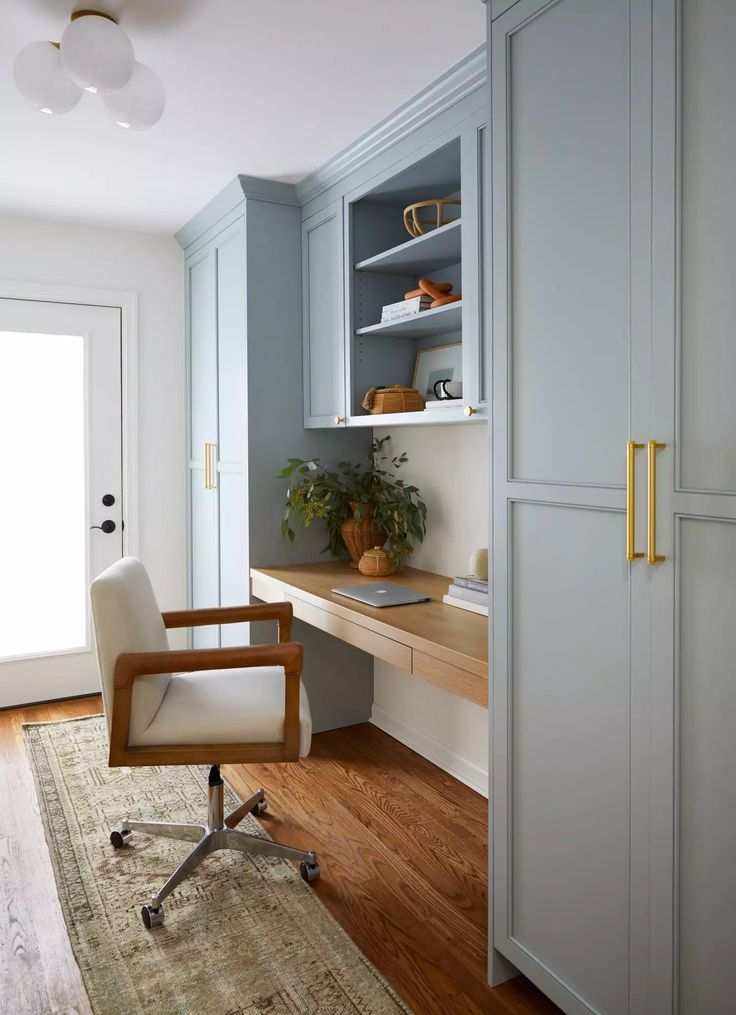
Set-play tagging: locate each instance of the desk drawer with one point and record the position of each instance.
(361, 637)
(375, 644)
(451, 678)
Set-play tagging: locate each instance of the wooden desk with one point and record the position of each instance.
(441, 644)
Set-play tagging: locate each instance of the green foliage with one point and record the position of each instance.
(315, 492)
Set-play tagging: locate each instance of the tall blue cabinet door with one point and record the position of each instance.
(204, 567)
(324, 300)
(693, 639)
(571, 704)
(233, 426)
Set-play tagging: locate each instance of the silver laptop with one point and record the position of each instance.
(383, 594)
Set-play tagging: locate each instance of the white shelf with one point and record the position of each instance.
(427, 416)
(420, 256)
(426, 324)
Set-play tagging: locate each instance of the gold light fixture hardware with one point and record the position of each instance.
(469, 411)
(652, 556)
(631, 449)
(97, 14)
(339, 420)
(209, 466)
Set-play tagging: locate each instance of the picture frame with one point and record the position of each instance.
(437, 363)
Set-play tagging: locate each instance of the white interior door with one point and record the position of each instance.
(61, 510)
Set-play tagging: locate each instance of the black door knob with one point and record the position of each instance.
(107, 526)
(108, 500)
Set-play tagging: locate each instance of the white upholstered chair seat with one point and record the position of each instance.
(208, 706)
(226, 707)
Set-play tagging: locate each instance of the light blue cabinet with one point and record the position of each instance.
(217, 480)
(245, 356)
(358, 256)
(613, 817)
(323, 312)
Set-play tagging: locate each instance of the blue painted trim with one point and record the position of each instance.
(239, 189)
(455, 84)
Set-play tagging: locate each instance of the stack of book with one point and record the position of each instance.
(468, 593)
(405, 308)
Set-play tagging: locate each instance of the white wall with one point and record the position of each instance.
(37, 250)
(449, 464)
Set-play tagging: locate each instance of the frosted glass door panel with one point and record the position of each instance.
(43, 594)
(60, 480)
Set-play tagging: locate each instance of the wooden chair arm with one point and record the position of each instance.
(281, 612)
(130, 665)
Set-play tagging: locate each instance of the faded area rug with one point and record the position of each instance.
(243, 936)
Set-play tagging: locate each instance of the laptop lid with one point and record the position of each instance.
(382, 594)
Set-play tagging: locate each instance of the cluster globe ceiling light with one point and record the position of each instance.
(94, 55)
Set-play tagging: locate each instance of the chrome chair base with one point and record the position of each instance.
(218, 833)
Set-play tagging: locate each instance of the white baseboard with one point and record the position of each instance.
(439, 754)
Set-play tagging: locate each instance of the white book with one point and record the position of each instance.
(414, 303)
(465, 604)
(442, 403)
(468, 595)
(402, 316)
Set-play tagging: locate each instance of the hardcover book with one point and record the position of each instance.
(471, 595)
(465, 604)
(469, 581)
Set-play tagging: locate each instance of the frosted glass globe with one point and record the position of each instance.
(42, 80)
(97, 53)
(140, 103)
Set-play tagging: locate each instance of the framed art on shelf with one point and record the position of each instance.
(438, 363)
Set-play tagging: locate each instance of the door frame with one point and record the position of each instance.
(127, 303)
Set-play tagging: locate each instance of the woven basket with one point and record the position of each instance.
(375, 563)
(361, 534)
(393, 399)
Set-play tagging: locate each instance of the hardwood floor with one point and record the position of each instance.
(402, 847)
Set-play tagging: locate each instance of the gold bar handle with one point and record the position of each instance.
(652, 556)
(631, 449)
(209, 466)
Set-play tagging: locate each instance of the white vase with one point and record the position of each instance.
(478, 563)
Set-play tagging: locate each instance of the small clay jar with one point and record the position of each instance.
(375, 563)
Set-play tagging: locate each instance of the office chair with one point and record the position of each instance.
(198, 706)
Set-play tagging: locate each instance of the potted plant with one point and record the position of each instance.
(362, 506)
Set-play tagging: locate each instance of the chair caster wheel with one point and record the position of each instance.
(259, 808)
(309, 871)
(152, 917)
(120, 839)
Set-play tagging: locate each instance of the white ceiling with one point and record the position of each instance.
(270, 88)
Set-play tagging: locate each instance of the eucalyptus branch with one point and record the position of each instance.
(315, 492)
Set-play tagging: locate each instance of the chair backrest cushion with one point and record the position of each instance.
(127, 618)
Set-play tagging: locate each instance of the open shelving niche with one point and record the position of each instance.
(387, 264)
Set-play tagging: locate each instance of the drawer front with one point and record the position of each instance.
(452, 678)
(375, 644)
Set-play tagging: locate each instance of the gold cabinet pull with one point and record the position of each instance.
(339, 420)
(631, 449)
(209, 466)
(652, 556)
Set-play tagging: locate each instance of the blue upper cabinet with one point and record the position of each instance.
(359, 256)
(323, 317)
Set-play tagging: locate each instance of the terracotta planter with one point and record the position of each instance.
(361, 534)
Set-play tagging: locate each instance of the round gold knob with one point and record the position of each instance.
(469, 410)
(339, 420)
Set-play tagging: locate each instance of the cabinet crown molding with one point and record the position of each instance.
(238, 190)
(452, 86)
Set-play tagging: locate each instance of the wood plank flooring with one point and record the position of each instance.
(402, 847)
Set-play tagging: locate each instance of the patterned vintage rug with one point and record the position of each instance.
(243, 936)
